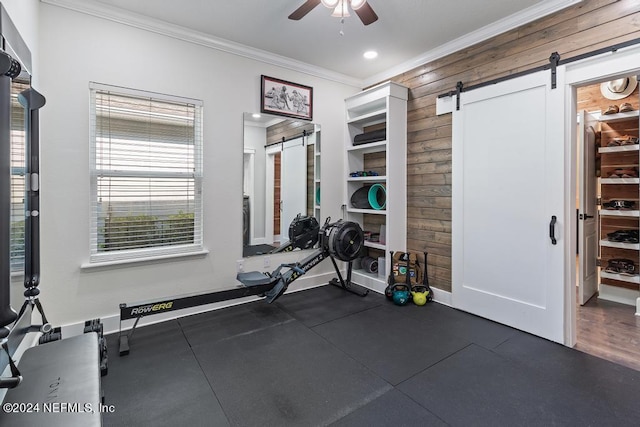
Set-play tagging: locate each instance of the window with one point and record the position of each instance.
(146, 174)
(17, 178)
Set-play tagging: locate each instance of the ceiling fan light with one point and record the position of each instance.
(330, 3)
(357, 4)
(342, 10)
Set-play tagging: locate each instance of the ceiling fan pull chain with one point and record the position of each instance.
(342, 26)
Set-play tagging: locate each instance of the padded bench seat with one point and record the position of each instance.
(63, 379)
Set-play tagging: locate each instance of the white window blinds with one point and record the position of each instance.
(146, 163)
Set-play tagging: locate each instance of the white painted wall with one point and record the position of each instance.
(76, 49)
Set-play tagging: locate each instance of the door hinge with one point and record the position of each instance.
(598, 262)
(599, 201)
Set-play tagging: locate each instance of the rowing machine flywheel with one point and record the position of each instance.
(346, 240)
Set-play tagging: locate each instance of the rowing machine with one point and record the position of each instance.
(342, 240)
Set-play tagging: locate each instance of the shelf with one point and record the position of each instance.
(619, 148)
(604, 212)
(620, 277)
(385, 103)
(611, 118)
(369, 280)
(375, 245)
(372, 147)
(367, 211)
(620, 181)
(380, 178)
(370, 118)
(620, 245)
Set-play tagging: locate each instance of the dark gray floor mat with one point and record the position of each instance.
(229, 322)
(159, 383)
(286, 375)
(478, 387)
(323, 304)
(391, 409)
(389, 343)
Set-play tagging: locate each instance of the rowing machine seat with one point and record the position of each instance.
(255, 278)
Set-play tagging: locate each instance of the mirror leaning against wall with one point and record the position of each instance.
(281, 184)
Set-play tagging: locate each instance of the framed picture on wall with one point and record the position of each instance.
(286, 98)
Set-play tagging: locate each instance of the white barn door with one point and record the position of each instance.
(293, 184)
(508, 185)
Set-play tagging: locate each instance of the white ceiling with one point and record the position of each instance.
(405, 34)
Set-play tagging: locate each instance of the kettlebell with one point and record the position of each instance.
(388, 292)
(401, 296)
(419, 297)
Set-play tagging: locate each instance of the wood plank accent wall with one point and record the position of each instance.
(582, 28)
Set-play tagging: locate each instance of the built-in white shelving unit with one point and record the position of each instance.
(382, 106)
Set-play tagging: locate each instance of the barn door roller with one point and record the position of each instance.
(554, 59)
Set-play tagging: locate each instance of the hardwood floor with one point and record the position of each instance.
(609, 330)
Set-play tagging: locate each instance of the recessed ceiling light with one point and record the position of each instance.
(370, 54)
(256, 115)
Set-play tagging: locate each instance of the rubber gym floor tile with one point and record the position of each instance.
(391, 409)
(231, 321)
(478, 387)
(616, 386)
(285, 375)
(389, 343)
(478, 330)
(157, 386)
(325, 303)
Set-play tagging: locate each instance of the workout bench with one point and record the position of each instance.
(59, 384)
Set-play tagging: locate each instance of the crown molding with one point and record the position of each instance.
(181, 33)
(511, 22)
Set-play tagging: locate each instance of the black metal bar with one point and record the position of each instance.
(32, 101)
(283, 140)
(178, 303)
(611, 48)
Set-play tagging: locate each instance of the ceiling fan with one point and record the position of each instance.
(341, 9)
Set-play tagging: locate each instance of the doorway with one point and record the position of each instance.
(606, 324)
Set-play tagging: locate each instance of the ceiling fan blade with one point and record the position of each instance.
(366, 14)
(307, 7)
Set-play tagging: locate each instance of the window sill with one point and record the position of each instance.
(147, 260)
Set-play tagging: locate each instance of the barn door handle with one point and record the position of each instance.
(552, 230)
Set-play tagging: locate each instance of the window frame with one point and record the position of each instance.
(101, 258)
